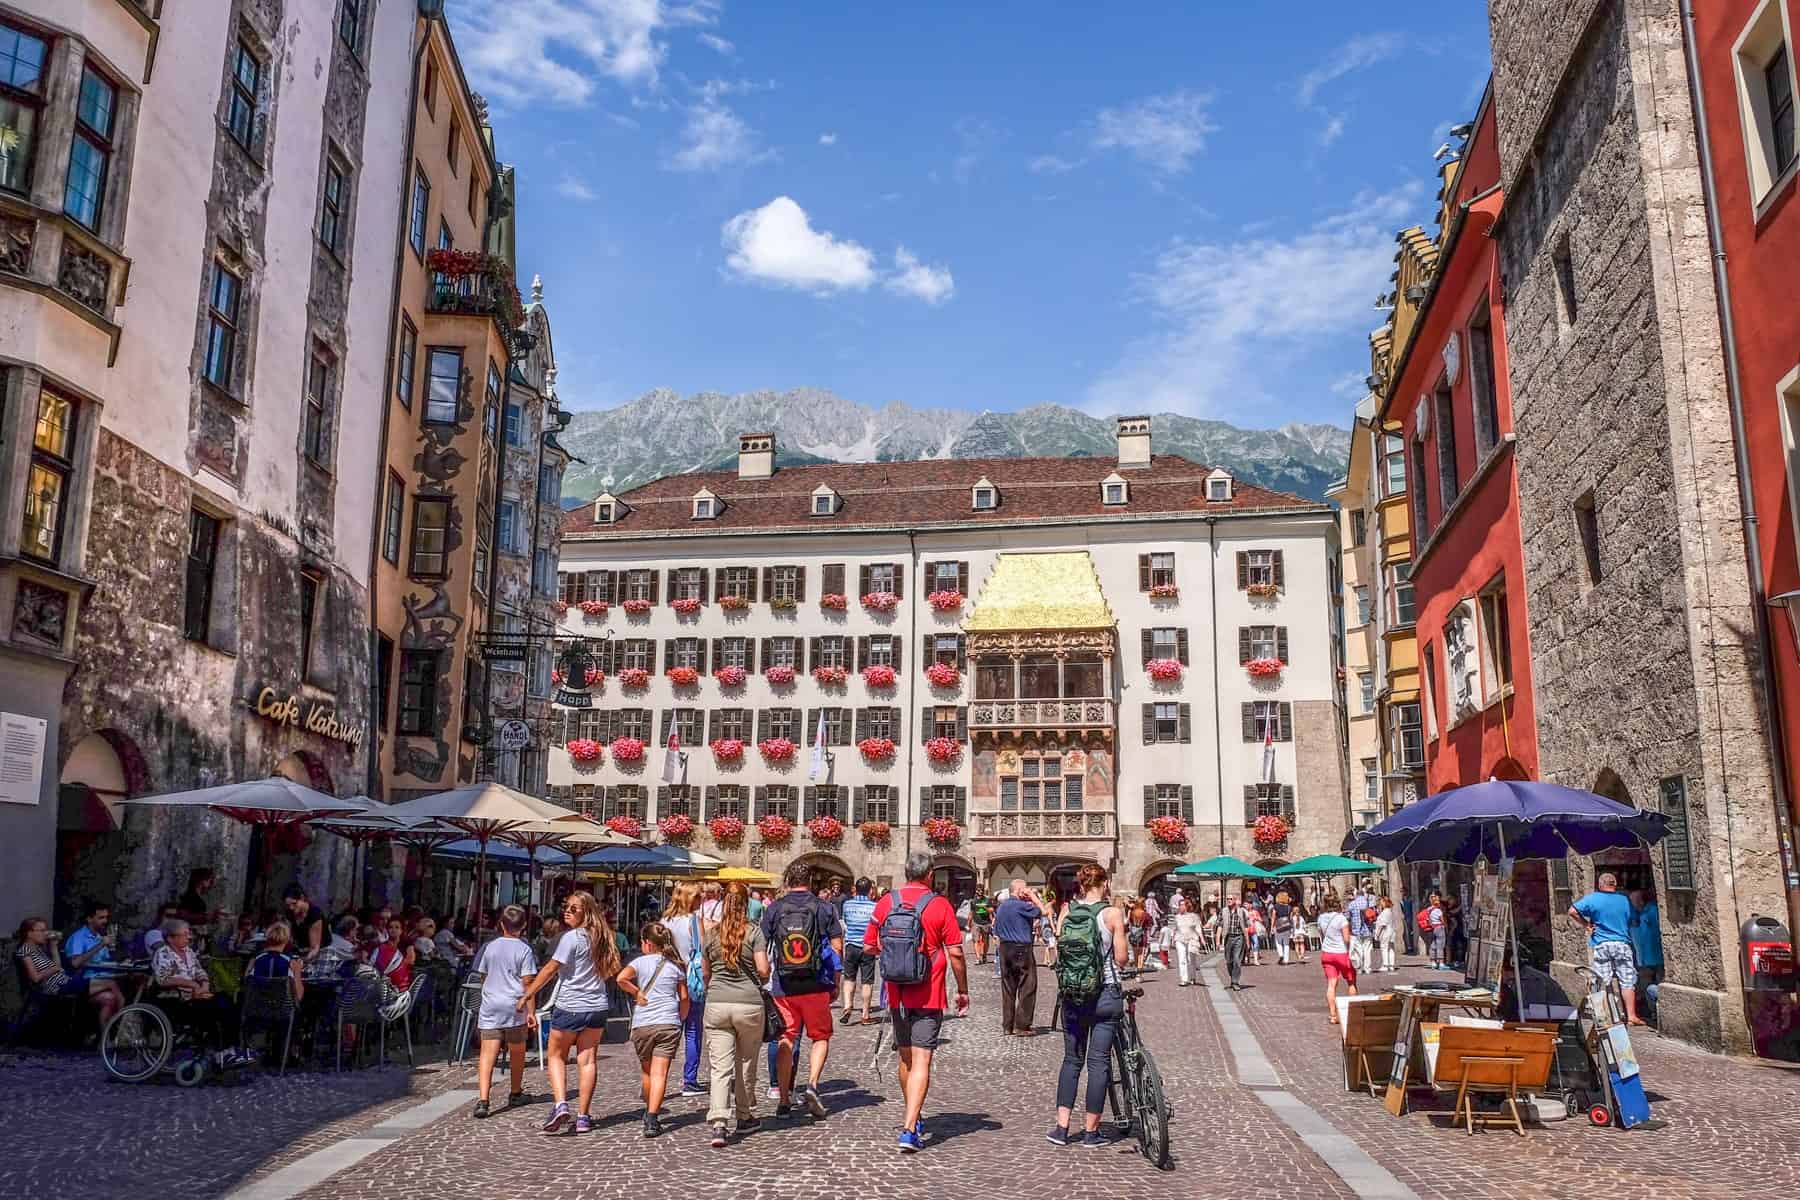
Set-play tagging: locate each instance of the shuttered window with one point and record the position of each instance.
(781, 652)
(1269, 800)
(640, 584)
(1260, 568)
(876, 802)
(1167, 722)
(1261, 717)
(831, 581)
(1165, 642)
(1262, 641)
(687, 583)
(1156, 570)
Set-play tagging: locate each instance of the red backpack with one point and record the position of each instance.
(1424, 919)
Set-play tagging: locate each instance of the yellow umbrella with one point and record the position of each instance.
(744, 875)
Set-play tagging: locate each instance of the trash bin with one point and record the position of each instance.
(1767, 955)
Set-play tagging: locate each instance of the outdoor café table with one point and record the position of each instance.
(1421, 1006)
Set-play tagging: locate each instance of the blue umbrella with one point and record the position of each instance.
(1507, 818)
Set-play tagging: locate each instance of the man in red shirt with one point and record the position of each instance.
(917, 1009)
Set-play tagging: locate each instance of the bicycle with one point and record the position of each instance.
(1135, 1090)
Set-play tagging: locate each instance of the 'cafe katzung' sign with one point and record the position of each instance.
(317, 718)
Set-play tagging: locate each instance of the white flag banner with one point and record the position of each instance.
(817, 770)
(672, 759)
(1268, 761)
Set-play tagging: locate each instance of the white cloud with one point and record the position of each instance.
(911, 277)
(1230, 310)
(828, 139)
(518, 52)
(777, 244)
(1163, 132)
(1333, 130)
(1052, 164)
(715, 137)
(574, 189)
(715, 42)
(1364, 50)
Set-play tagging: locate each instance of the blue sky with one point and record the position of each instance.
(1188, 208)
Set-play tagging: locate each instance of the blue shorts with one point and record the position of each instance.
(568, 1020)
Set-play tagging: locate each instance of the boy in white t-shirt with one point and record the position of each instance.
(509, 965)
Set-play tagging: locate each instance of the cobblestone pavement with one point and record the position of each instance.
(1731, 1127)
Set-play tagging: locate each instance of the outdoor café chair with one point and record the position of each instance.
(268, 1003)
(545, 1009)
(400, 1009)
(358, 1005)
(467, 1001)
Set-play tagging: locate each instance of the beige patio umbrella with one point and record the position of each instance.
(483, 811)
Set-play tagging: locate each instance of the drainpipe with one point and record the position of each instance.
(912, 682)
(1759, 606)
(387, 405)
(1212, 577)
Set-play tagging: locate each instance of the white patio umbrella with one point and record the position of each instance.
(483, 811)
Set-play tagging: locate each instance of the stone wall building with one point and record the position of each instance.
(977, 640)
(197, 224)
(1642, 649)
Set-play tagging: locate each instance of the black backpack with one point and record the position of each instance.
(902, 934)
(796, 943)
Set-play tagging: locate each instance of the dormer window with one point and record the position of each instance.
(1114, 490)
(984, 496)
(706, 505)
(603, 513)
(1218, 487)
(608, 509)
(824, 501)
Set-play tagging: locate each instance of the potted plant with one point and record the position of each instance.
(1163, 670)
(634, 677)
(943, 749)
(676, 828)
(945, 601)
(880, 601)
(734, 603)
(686, 606)
(1264, 668)
(1263, 591)
(587, 750)
(942, 831)
(875, 833)
(775, 830)
(878, 675)
(830, 676)
(943, 675)
(730, 677)
(628, 750)
(777, 749)
(684, 676)
(728, 750)
(630, 827)
(1269, 831)
(835, 601)
(1165, 591)
(594, 608)
(561, 606)
(877, 749)
(636, 608)
(781, 604)
(1168, 831)
(726, 831)
(825, 831)
(779, 675)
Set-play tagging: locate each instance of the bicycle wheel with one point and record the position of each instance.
(1152, 1111)
(1120, 1089)
(136, 1043)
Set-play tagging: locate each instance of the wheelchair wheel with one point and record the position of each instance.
(137, 1043)
(191, 1071)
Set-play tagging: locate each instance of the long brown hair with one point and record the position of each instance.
(602, 948)
(734, 926)
(682, 901)
(657, 934)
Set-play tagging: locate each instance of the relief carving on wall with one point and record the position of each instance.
(1462, 663)
(431, 625)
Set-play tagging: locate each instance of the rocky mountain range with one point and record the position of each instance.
(664, 433)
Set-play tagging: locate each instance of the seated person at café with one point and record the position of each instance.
(343, 936)
(41, 959)
(275, 963)
(193, 905)
(449, 943)
(425, 945)
(89, 951)
(180, 977)
(144, 944)
(393, 957)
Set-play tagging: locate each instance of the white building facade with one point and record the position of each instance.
(1070, 644)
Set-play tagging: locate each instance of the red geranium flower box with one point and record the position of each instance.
(942, 831)
(777, 749)
(876, 833)
(734, 603)
(880, 601)
(830, 676)
(1264, 668)
(825, 829)
(683, 676)
(1163, 670)
(631, 827)
(676, 828)
(628, 750)
(594, 608)
(687, 606)
(636, 608)
(727, 831)
(634, 677)
(879, 675)
(876, 749)
(945, 601)
(729, 677)
(779, 676)
(776, 830)
(943, 674)
(1168, 831)
(943, 749)
(584, 750)
(728, 749)
(836, 601)
(1269, 830)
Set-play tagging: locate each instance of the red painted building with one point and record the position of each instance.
(1745, 53)
(1454, 404)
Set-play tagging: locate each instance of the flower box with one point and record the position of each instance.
(880, 601)
(779, 676)
(676, 828)
(1165, 591)
(727, 831)
(778, 831)
(1163, 670)
(782, 604)
(634, 677)
(594, 608)
(727, 750)
(943, 749)
(876, 749)
(945, 601)
(636, 608)
(1264, 668)
(1269, 830)
(734, 603)
(631, 827)
(628, 750)
(477, 284)
(876, 833)
(777, 749)
(835, 601)
(880, 675)
(825, 830)
(943, 674)
(830, 676)
(1168, 831)
(730, 677)
(942, 831)
(684, 676)
(585, 750)
(687, 606)
(1263, 591)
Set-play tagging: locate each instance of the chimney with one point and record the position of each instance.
(756, 455)
(1134, 442)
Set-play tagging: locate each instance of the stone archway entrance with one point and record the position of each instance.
(1055, 872)
(104, 768)
(953, 876)
(827, 869)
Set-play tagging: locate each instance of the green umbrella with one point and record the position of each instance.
(1328, 864)
(1224, 867)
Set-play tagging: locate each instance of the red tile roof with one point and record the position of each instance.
(926, 492)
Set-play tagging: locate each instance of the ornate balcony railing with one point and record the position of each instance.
(1034, 825)
(1042, 714)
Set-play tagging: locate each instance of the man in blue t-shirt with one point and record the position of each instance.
(1607, 914)
(1015, 924)
(859, 964)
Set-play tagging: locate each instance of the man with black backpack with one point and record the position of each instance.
(800, 928)
(914, 934)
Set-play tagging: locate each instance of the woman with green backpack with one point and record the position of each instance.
(1091, 947)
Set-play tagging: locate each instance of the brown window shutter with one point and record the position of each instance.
(812, 725)
(1149, 801)
(749, 656)
(704, 579)
(1250, 722)
(655, 585)
(662, 800)
(899, 579)
(1280, 573)
(862, 724)
(1187, 724)
(712, 725)
(809, 802)
(668, 654)
(1243, 565)
(750, 583)
(859, 805)
(962, 652)
(799, 584)
(1286, 733)
(718, 651)
(668, 722)
(927, 721)
(962, 722)
(862, 651)
(1187, 803)
(962, 577)
(1281, 645)
(862, 580)
(718, 583)
(894, 644)
(712, 801)
(925, 651)
(1149, 724)
(1249, 804)
(768, 581)
(1243, 644)
(1147, 640)
(843, 737)
(1287, 804)
(962, 806)
(1181, 646)
(1143, 572)
(832, 582)
(924, 804)
(768, 651)
(701, 648)
(759, 802)
(812, 653)
(762, 724)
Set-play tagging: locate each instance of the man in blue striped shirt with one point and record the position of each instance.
(859, 964)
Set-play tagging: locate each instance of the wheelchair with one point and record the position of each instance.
(156, 1037)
